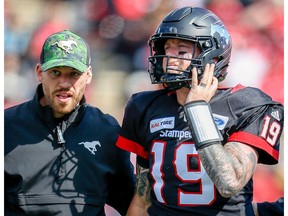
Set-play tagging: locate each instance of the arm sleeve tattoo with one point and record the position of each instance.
(230, 167)
(143, 187)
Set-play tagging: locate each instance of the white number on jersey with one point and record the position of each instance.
(182, 154)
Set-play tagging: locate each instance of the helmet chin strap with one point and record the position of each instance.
(176, 85)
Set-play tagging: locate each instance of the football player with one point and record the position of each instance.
(197, 145)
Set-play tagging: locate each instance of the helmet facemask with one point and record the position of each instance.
(170, 77)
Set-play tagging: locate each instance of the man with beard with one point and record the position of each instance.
(58, 148)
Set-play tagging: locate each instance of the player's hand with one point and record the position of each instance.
(207, 86)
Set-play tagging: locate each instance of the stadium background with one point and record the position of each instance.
(117, 32)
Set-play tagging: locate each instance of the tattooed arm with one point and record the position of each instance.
(230, 167)
(141, 200)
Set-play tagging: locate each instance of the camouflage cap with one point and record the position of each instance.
(65, 49)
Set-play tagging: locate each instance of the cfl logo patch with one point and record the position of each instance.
(220, 121)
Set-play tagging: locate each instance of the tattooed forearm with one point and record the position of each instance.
(229, 167)
(142, 185)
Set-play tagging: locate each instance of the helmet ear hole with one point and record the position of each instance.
(207, 44)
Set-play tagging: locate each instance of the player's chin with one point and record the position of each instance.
(64, 108)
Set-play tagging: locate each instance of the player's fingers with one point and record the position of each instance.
(194, 82)
(210, 73)
(207, 75)
(214, 84)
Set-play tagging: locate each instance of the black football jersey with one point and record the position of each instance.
(154, 127)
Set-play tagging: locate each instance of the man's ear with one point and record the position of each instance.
(89, 75)
(39, 72)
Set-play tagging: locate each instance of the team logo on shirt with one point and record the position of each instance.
(91, 146)
(220, 121)
(162, 123)
(180, 134)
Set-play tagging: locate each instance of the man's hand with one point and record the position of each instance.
(206, 88)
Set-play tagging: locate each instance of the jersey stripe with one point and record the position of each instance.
(255, 141)
(131, 146)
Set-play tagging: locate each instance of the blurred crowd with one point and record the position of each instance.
(117, 32)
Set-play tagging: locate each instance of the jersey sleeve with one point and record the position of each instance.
(260, 123)
(130, 138)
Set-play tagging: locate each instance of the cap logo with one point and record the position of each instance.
(66, 45)
(65, 49)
